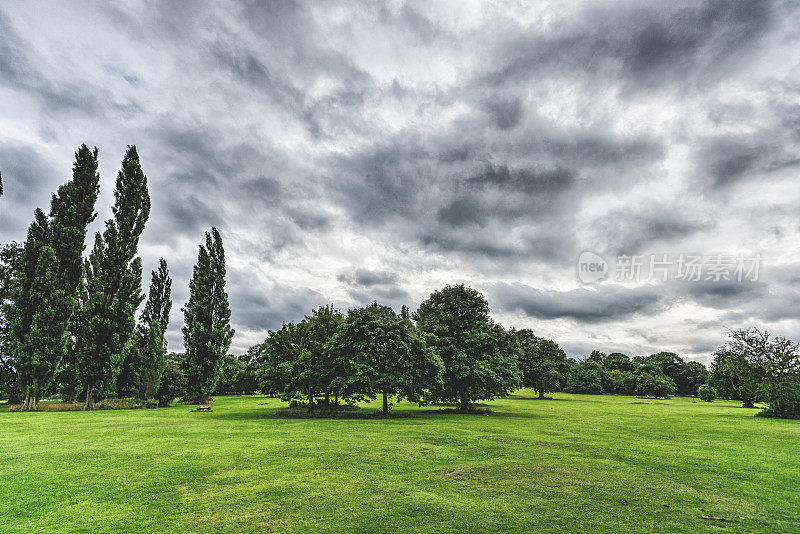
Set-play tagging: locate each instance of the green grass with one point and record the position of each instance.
(554, 465)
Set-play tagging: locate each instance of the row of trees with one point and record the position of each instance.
(658, 375)
(68, 322)
(451, 352)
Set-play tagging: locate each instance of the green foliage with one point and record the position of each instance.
(706, 393)
(583, 378)
(542, 362)
(42, 301)
(111, 290)
(237, 376)
(618, 361)
(147, 354)
(479, 356)
(280, 351)
(172, 384)
(648, 385)
(294, 359)
(381, 353)
(207, 332)
(10, 264)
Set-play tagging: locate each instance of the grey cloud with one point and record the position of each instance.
(367, 278)
(601, 304)
(683, 44)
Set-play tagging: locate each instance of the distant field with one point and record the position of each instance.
(554, 465)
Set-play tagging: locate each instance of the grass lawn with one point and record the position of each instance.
(554, 465)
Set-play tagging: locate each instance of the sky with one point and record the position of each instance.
(358, 151)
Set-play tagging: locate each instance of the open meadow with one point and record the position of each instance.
(559, 465)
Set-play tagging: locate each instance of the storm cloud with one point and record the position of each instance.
(357, 151)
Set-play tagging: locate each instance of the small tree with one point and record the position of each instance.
(279, 353)
(383, 354)
(151, 345)
(480, 357)
(706, 393)
(172, 384)
(648, 385)
(542, 362)
(207, 333)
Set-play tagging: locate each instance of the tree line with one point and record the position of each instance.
(68, 327)
(67, 323)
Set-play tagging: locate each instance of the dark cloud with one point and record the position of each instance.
(601, 304)
(482, 147)
(367, 278)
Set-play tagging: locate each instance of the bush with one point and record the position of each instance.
(151, 403)
(173, 384)
(120, 404)
(706, 393)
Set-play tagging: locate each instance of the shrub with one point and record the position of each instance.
(120, 404)
(706, 393)
(151, 403)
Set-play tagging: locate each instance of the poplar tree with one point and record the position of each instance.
(148, 355)
(111, 290)
(207, 333)
(43, 299)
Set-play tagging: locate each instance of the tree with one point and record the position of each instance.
(618, 361)
(584, 378)
(706, 393)
(542, 362)
(38, 330)
(10, 263)
(280, 351)
(111, 290)
(480, 358)
(648, 385)
(207, 333)
(172, 385)
(315, 369)
(772, 369)
(39, 315)
(734, 373)
(147, 356)
(383, 354)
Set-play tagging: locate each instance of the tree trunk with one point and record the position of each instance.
(30, 403)
(541, 393)
(327, 398)
(310, 401)
(89, 399)
(464, 401)
(385, 403)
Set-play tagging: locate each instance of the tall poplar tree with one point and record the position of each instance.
(147, 357)
(207, 333)
(43, 298)
(112, 280)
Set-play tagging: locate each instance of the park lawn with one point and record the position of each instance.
(531, 465)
